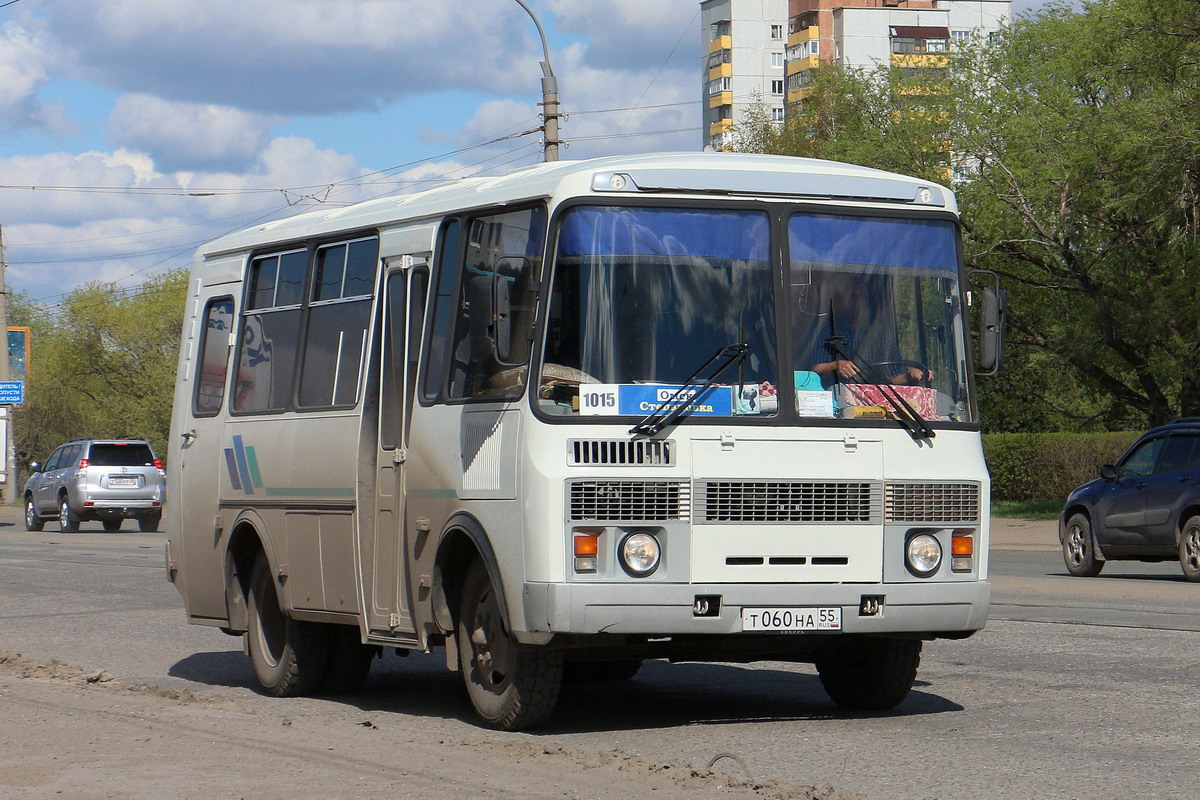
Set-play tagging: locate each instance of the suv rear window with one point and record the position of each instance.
(121, 455)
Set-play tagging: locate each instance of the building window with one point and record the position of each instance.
(776, 115)
(777, 60)
(776, 31)
(776, 87)
(719, 85)
(721, 28)
(720, 57)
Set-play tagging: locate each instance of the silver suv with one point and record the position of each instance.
(106, 479)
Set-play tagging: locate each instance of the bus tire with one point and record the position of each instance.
(862, 673)
(289, 656)
(349, 661)
(510, 686)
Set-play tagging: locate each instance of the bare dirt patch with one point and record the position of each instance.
(78, 733)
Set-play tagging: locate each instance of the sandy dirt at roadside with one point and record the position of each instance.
(71, 733)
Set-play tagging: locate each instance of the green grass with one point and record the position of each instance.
(1030, 509)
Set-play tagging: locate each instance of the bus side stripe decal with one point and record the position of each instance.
(231, 465)
(252, 462)
(239, 450)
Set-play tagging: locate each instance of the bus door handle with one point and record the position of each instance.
(188, 437)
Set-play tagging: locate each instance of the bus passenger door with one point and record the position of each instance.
(403, 314)
(193, 499)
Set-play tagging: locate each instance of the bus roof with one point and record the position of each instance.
(679, 174)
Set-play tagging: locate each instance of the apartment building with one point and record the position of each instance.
(912, 34)
(741, 52)
(744, 45)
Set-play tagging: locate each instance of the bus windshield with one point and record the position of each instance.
(641, 298)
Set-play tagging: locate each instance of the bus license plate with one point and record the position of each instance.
(792, 619)
(114, 481)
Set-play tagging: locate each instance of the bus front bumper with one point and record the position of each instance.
(936, 609)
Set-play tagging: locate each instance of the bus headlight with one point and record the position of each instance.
(923, 555)
(640, 553)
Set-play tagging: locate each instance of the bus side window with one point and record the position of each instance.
(270, 330)
(213, 361)
(437, 359)
(476, 370)
(335, 342)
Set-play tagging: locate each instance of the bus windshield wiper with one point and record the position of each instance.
(908, 416)
(913, 422)
(692, 390)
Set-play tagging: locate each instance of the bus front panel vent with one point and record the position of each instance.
(621, 452)
(627, 501)
(931, 501)
(824, 502)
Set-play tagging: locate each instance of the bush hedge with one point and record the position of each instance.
(1047, 466)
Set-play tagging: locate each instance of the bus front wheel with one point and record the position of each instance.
(868, 674)
(511, 687)
(289, 656)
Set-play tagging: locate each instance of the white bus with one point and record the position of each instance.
(698, 407)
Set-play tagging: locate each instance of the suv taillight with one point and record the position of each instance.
(83, 462)
(158, 463)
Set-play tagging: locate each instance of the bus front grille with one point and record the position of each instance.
(620, 452)
(628, 501)
(931, 501)
(788, 501)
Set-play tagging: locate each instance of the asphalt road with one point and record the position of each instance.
(1078, 688)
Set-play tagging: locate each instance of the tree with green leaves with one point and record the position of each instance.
(102, 364)
(1076, 140)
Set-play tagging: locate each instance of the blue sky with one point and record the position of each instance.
(133, 130)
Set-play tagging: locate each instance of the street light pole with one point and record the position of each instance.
(549, 94)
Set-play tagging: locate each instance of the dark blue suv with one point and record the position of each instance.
(1146, 507)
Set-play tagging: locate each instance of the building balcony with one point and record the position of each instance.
(721, 126)
(720, 99)
(720, 71)
(804, 35)
(720, 43)
(801, 64)
(796, 95)
(920, 60)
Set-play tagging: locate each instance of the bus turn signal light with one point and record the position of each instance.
(962, 550)
(586, 548)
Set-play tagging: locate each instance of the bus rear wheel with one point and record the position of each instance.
(289, 656)
(863, 673)
(510, 686)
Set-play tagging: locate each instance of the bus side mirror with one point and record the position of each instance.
(506, 271)
(993, 326)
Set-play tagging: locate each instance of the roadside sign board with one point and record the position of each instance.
(12, 392)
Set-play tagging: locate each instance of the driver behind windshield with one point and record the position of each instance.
(845, 330)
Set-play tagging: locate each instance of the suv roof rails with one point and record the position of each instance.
(1184, 419)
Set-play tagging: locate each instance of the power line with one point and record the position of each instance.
(661, 67)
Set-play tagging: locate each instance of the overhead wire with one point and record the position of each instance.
(629, 116)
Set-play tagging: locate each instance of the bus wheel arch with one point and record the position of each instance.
(245, 543)
(463, 542)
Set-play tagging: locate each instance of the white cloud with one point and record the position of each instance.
(188, 135)
(25, 67)
(299, 56)
(632, 33)
(122, 218)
